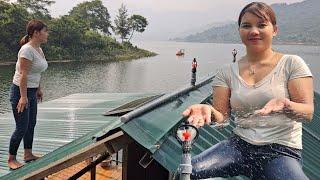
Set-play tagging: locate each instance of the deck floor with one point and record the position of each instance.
(102, 173)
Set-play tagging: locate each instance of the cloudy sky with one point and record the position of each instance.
(171, 18)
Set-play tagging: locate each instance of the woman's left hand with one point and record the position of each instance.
(274, 105)
(39, 95)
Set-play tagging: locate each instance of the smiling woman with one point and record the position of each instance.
(257, 33)
(264, 83)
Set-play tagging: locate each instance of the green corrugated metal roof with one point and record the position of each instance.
(154, 130)
(64, 126)
(151, 127)
(78, 118)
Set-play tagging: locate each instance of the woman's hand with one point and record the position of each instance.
(39, 95)
(200, 114)
(274, 105)
(22, 104)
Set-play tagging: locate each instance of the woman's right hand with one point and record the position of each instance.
(22, 104)
(200, 114)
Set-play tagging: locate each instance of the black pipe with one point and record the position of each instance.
(163, 99)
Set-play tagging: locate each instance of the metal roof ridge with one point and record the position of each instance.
(153, 104)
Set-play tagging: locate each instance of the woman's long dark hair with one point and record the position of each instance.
(32, 26)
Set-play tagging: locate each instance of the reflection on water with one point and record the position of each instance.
(6, 73)
(162, 73)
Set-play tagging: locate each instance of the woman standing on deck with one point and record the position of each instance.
(264, 92)
(26, 92)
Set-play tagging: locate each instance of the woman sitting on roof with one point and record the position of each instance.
(264, 92)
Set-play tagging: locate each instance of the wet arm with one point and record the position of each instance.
(221, 101)
(301, 97)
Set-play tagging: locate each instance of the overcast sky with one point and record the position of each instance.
(171, 18)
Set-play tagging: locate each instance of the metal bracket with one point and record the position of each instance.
(146, 160)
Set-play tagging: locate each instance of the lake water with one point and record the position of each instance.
(162, 73)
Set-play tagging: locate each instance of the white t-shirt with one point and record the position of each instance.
(278, 128)
(39, 64)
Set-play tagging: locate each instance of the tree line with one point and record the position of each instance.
(84, 33)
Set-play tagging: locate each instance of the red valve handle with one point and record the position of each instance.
(186, 135)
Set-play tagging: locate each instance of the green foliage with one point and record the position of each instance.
(137, 23)
(83, 34)
(12, 25)
(93, 15)
(122, 26)
(37, 8)
(65, 33)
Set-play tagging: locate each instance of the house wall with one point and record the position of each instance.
(132, 170)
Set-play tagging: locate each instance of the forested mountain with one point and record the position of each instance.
(299, 23)
(83, 34)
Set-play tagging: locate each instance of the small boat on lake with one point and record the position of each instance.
(180, 52)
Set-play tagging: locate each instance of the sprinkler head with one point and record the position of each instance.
(187, 133)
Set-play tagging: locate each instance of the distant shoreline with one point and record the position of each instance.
(8, 63)
(118, 58)
(236, 42)
(130, 53)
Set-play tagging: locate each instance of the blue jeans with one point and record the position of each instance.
(25, 121)
(235, 157)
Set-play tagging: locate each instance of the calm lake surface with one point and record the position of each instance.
(162, 73)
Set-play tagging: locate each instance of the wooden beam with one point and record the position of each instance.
(76, 157)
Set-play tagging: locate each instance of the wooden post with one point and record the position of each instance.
(93, 171)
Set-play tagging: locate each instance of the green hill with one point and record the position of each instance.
(299, 23)
(83, 34)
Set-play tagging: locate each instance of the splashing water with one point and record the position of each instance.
(281, 118)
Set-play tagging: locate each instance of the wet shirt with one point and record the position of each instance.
(39, 64)
(279, 128)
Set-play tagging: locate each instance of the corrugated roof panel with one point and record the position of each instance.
(314, 126)
(149, 128)
(64, 125)
(311, 155)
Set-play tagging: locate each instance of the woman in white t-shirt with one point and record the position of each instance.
(263, 90)
(26, 92)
